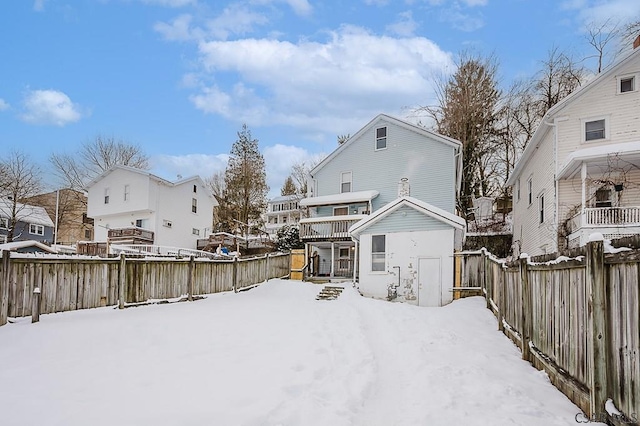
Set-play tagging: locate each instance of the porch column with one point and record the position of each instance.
(583, 212)
(333, 257)
(355, 261)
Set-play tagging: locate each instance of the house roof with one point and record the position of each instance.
(26, 213)
(18, 245)
(344, 198)
(281, 198)
(425, 208)
(152, 177)
(545, 124)
(401, 123)
(600, 156)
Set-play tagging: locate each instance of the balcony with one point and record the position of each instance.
(612, 222)
(331, 228)
(131, 236)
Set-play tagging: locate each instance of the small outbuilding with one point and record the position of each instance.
(406, 252)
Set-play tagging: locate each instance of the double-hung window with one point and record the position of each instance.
(345, 182)
(4, 223)
(378, 251)
(127, 192)
(106, 195)
(541, 207)
(594, 130)
(381, 138)
(530, 190)
(194, 205)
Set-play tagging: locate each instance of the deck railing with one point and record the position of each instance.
(613, 216)
(326, 230)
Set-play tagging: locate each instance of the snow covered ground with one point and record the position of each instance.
(272, 356)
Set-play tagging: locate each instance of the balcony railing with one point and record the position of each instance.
(608, 216)
(329, 230)
(131, 235)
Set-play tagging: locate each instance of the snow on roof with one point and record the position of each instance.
(426, 208)
(344, 198)
(26, 213)
(279, 198)
(574, 160)
(17, 245)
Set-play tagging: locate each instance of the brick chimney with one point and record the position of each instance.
(636, 42)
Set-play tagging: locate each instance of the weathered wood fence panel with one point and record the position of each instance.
(68, 284)
(563, 318)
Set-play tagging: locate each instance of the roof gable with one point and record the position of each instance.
(418, 205)
(394, 121)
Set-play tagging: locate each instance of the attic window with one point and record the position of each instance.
(627, 84)
(381, 138)
(195, 188)
(594, 130)
(36, 229)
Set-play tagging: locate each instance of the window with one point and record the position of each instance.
(87, 234)
(194, 205)
(377, 253)
(345, 182)
(284, 219)
(603, 197)
(4, 223)
(36, 229)
(594, 130)
(195, 189)
(126, 192)
(541, 207)
(518, 190)
(530, 190)
(343, 252)
(627, 84)
(340, 211)
(381, 138)
(3, 239)
(195, 231)
(106, 195)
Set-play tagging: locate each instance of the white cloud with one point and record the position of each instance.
(461, 20)
(50, 107)
(599, 12)
(376, 2)
(403, 26)
(179, 29)
(3, 105)
(310, 84)
(203, 165)
(472, 3)
(278, 162)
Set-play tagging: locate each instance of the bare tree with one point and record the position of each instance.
(628, 34)
(216, 184)
(94, 158)
(599, 36)
(560, 75)
(20, 179)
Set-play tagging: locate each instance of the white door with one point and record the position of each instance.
(430, 281)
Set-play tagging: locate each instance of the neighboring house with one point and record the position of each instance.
(69, 208)
(580, 173)
(383, 211)
(29, 246)
(133, 206)
(31, 222)
(281, 211)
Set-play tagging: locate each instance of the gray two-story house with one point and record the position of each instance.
(382, 210)
(28, 223)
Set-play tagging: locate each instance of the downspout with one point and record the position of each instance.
(556, 201)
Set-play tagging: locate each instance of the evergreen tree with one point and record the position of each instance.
(289, 187)
(245, 192)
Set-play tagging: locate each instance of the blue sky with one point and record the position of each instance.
(180, 77)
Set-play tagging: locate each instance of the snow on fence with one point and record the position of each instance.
(575, 317)
(68, 283)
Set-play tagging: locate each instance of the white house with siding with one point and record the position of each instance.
(133, 206)
(281, 211)
(382, 210)
(580, 173)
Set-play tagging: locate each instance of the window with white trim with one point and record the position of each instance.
(530, 190)
(381, 138)
(518, 190)
(4, 223)
(127, 191)
(604, 197)
(194, 205)
(106, 195)
(345, 182)
(378, 243)
(627, 83)
(594, 130)
(541, 207)
(36, 229)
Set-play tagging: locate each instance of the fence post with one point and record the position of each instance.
(501, 302)
(598, 300)
(122, 282)
(235, 274)
(525, 318)
(267, 268)
(190, 278)
(4, 287)
(485, 278)
(35, 308)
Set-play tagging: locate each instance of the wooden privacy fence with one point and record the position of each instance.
(67, 284)
(575, 317)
